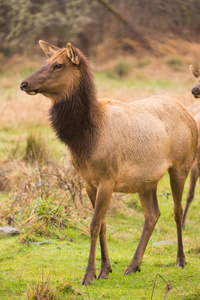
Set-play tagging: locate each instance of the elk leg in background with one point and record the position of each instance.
(193, 179)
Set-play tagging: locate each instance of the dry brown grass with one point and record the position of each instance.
(42, 199)
(19, 108)
(113, 48)
(154, 65)
(36, 148)
(34, 186)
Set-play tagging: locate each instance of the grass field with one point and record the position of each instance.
(43, 197)
(24, 263)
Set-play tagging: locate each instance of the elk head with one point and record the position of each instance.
(59, 76)
(196, 72)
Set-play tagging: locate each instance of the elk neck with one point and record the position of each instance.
(76, 118)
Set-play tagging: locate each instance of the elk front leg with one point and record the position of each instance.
(103, 197)
(105, 261)
(149, 203)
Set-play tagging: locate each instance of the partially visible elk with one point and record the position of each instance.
(195, 170)
(196, 90)
(116, 147)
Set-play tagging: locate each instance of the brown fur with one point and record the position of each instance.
(195, 170)
(116, 146)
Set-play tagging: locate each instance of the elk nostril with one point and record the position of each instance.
(23, 85)
(195, 91)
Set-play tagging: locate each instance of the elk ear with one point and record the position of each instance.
(73, 54)
(195, 71)
(48, 49)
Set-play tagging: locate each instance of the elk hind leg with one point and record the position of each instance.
(149, 203)
(193, 179)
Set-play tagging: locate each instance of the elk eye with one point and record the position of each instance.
(57, 67)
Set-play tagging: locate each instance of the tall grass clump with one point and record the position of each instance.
(121, 69)
(36, 148)
(43, 198)
(43, 291)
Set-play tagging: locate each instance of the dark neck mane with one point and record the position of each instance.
(75, 118)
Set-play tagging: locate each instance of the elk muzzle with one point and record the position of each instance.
(25, 87)
(196, 92)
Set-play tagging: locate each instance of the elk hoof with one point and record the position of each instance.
(102, 277)
(104, 272)
(87, 280)
(131, 270)
(181, 263)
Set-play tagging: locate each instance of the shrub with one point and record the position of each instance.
(143, 63)
(121, 69)
(174, 62)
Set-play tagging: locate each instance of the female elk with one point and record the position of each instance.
(195, 170)
(116, 147)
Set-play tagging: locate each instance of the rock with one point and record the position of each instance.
(40, 243)
(9, 231)
(164, 242)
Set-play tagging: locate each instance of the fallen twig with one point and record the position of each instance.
(168, 286)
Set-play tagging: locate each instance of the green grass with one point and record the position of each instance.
(151, 85)
(65, 260)
(14, 141)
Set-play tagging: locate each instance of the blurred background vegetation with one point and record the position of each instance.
(89, 22)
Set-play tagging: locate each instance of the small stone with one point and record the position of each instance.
(40, 243)
(9, 231)
(164, 243)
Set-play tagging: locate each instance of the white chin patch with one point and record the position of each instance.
(31, 92)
